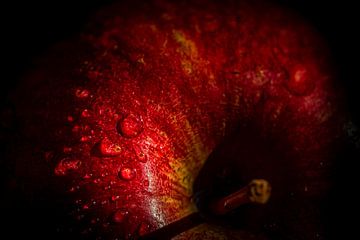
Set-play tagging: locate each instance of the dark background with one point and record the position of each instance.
(29, 28)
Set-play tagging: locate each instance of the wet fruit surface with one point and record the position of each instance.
(124, 117)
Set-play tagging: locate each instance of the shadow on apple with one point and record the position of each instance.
(293, 211)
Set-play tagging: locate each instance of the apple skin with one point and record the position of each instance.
(125, 115)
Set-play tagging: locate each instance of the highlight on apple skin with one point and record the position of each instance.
(123, 117)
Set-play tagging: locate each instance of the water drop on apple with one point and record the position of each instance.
(85, 113)
(142, 157)
(70, 118)
(301, 82)
(106, 148)
(115, 197)
(87, 176)
(75, 129)
(81, 93)
(97, 180)
(127, 173)
(119, 216)
(67, 149)
(130, 126)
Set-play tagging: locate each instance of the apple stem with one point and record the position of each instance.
(257, 191)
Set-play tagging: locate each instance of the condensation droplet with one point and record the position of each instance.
(133, 206)
(107, 148)
(120, 215)
(84, 139)
(75, 129)
(104, 174)
(85, 113)
(66, 165)
(82, 93)
(72, 189)
(115, 197)
(87, 176)
(97, 180)
(126, 173)
(301, 82)
(141, 156)
(70, 118)
(130, 126)
(67, 149)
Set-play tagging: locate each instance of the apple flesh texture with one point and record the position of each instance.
(125, 115)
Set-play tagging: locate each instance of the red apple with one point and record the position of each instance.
(126, 114)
